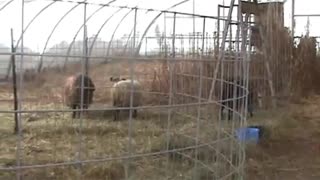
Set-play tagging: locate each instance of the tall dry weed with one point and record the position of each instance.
(306, 70)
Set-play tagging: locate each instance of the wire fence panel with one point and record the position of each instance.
(109, 91)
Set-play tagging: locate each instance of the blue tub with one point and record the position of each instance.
(248, 134)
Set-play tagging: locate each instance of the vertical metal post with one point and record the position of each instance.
(181, 45)
(247, 61)
(221, 55)
(197, 35)
(238, 80)
(146, 47)
(19, 138)
(207, 39)
(8, 71)
(194, 29)
(134, 31)
(86, 50)
(174, 36)
(215, 75)
(199, 98)
(293, 24)
(83, 73)
(160, 44)
(165, 35)
(218, 30)
(131, 63)
(203, 36)
(223, 13)
(14, 83)
(244, 32)
(230, 38)
(239, 60)
(170, 93)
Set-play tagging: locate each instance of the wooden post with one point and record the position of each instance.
(14, 83)
(265, 46)
(8, 70)
(261, 11)
(221, 54)
(267, 66)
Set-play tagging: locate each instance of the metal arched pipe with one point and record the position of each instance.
(97, 34)
(154, 20)
(173, 6)
(109, 45)
(146, 31)
(125, 47)
(49, 37)
(75, 36)
(25, 29)
(4, 6)
(35, 17)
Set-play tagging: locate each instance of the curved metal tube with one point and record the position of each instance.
(37, 15)
(10, 62)
(152, 22)
(45, 47)
(125, 47)
(74, 38)
(25, 29)
(146, 31)
(179, 3)
(95, 38)
(4, 6)
(108, 49)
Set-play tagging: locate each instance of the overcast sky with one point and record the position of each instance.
(37, 34)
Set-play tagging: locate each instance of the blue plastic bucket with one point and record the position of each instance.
(248, 134)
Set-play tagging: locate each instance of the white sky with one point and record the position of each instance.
(37, 34)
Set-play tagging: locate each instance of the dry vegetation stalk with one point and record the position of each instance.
(306, 67)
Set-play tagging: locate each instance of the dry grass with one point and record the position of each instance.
(292, 142)
(54, 137)
(185, 78)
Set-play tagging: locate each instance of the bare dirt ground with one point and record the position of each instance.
(291, 150)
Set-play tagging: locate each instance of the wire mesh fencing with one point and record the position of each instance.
(120, 92)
